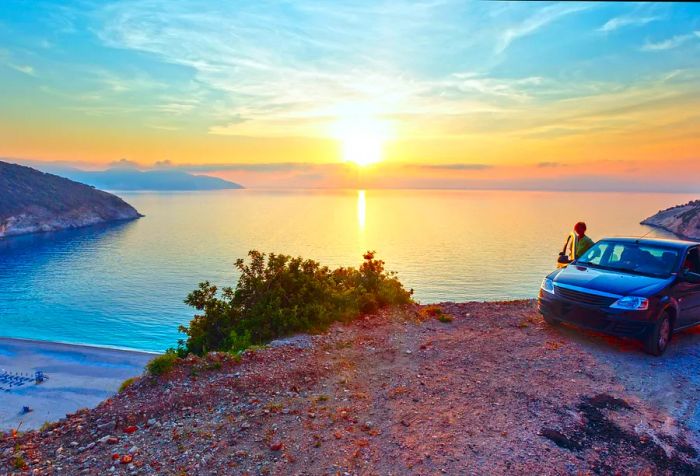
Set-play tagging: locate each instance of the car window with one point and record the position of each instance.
(616, 255)
(597, 254)
(692, 261)
(632, 257)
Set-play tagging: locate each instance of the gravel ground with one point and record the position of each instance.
(471, 388)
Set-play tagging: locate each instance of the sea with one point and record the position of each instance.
(123, 285)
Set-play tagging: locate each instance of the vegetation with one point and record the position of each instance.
(445, 318)
(127, 383)
(19, 463)
(163, 363)
(436, 312)
(278, 295)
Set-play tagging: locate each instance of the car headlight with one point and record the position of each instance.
(547, 285)
(631, 303)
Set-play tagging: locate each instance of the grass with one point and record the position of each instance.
(436, 312)
(19, 463)
(162, 364)
(446, 318)
(214, 366)
(127, 383)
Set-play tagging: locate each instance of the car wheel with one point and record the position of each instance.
(550, 320)
(658, 339)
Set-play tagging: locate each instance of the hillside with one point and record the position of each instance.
(682, 220)
(33, 201)
(124, 178)
(493, 391)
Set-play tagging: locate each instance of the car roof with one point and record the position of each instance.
(666, 243)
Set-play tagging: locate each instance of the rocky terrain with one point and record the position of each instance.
(472, 388)
(32, 201)
(681, 220)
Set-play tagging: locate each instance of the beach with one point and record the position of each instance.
(78, 376)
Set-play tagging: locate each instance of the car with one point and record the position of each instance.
(645, 289)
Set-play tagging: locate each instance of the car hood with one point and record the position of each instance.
(611, 281)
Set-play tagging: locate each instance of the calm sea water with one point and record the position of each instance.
(123, 285)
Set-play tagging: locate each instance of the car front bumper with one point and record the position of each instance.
(617, 322)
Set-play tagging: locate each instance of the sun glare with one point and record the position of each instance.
(361, 140)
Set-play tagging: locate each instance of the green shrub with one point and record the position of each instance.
(446, 318)
(127, 383)
(278, 295)
(163, 363)
(19, 463)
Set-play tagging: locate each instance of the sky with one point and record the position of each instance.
(440, 93)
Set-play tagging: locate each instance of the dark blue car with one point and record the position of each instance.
(628, 287)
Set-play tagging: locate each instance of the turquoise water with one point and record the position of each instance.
(123, 285)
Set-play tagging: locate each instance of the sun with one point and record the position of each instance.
(361, 139)
(362, 150)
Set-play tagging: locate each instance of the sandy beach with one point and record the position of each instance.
(79, 376)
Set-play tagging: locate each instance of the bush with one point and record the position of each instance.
(127, 383)
(163, 363)
(278, 295)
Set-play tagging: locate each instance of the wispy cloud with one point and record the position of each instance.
(321, 62)
(465, 84)
(461, 166)
(670, 43)
(625, 21)
(536, 22)
(23, 68)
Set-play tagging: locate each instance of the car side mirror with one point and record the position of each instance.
(690, 277)
(563, 258)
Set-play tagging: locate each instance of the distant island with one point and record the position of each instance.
(681, 220)
(133, 179)
(33, 201)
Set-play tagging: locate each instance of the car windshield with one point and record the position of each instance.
(635, 258)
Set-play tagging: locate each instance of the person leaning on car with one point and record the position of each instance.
(581, 242)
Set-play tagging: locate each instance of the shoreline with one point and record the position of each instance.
(59, 344)
(79, 376)
(676, 235)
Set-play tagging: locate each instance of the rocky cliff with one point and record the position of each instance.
(33, 201)
(682, 220)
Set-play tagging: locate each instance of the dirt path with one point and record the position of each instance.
(495, 391)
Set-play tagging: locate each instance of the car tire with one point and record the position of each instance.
(660, 336)
(550, 320)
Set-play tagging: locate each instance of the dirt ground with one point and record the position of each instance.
(469, 388)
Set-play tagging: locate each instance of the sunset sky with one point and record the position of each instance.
(438, 93)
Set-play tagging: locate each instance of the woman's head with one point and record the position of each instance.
(580, 228)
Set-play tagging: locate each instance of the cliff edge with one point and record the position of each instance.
(489, 389)
(681, 220)
(32, 201)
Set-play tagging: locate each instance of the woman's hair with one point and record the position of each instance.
(580, 228)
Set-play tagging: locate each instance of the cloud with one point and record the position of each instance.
(670, 43)
(247, 167)
(23, 68)
(124, 163)
(535, 22)
(452, 166)
(322, 63)
(550, 165)
(626, 20)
